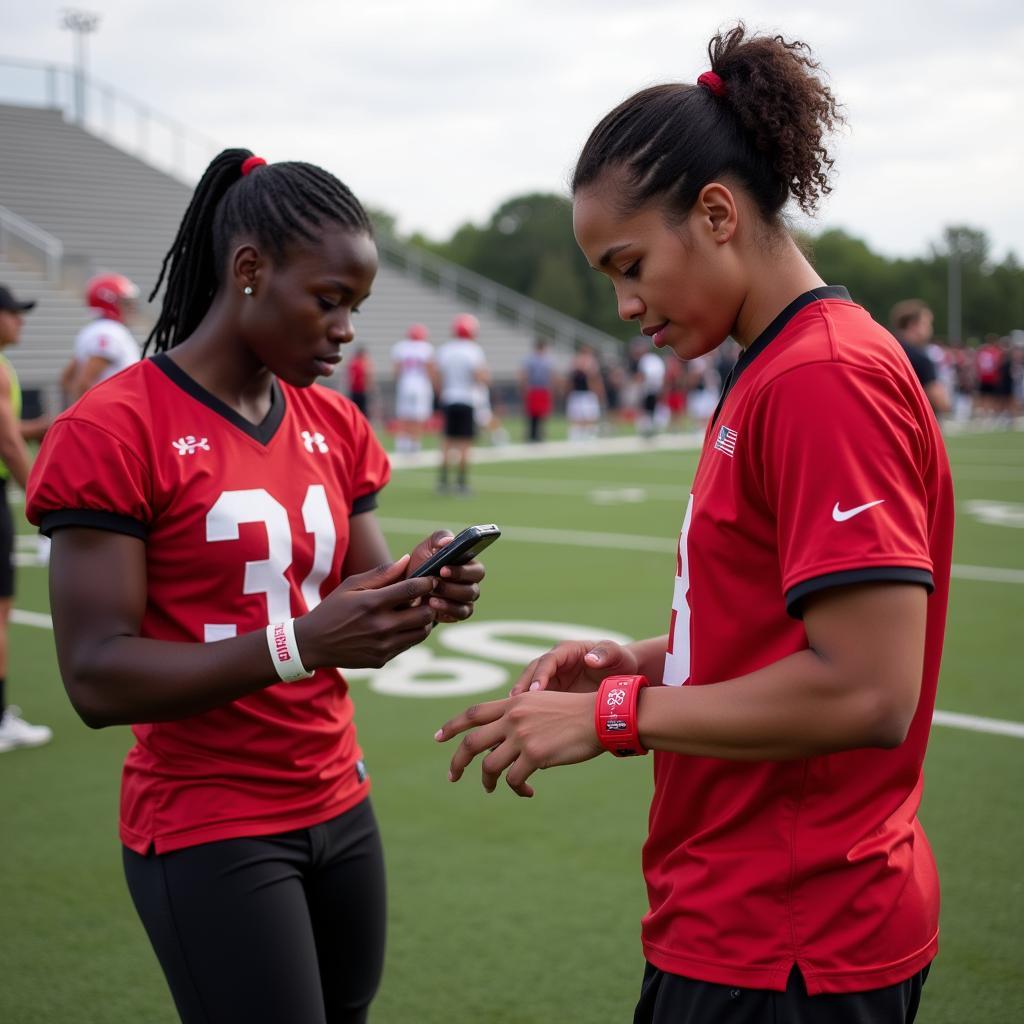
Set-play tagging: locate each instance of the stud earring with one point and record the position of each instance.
(247, 289)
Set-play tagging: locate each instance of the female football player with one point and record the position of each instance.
(215, 559)
(791, 698)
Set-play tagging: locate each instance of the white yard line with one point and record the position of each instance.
(636, 542)
(955, 720)
(974, 723)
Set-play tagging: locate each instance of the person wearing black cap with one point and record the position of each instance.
(14, 462)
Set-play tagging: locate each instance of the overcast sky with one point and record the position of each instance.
(439, 110)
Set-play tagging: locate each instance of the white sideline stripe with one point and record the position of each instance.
(972, 723)
(540, 535)
(987, 573)
(635, 542)
(557, 450)
(24, 618)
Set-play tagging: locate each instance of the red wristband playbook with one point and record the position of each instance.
(615, 715)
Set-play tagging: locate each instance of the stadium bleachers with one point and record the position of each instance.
(111, 211)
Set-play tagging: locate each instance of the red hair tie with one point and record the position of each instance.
(250, 164)
(712, 81)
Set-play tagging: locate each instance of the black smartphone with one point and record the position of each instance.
(463, 548)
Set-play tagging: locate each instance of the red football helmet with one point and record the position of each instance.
(109, 293)
(418, 332)
(465, 325)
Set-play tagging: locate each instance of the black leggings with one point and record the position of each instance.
(285, 929)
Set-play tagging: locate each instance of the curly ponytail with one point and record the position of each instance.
(781, 105)
(763, 123)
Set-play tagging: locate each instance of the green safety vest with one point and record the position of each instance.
(15, 403)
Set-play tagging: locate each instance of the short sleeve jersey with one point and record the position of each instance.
(243, 525)
(458, 361)
(412, 359)
(110, 341)
(920, 361)
(823, 467)
(651, 368)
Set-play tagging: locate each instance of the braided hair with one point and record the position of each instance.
(276, 204)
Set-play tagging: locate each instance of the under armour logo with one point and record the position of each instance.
(314, 440)
(616, 697)
(188, 445)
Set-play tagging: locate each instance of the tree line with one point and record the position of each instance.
(528, 245)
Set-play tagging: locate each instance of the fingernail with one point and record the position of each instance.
(535, 685)
(438, 734)
(591, 656)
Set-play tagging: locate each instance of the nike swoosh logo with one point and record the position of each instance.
(841, 515)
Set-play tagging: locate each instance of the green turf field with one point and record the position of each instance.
(505, 911)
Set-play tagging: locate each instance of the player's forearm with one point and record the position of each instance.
(33, 430)
(800, 706)
(14, 456)
(124, 679)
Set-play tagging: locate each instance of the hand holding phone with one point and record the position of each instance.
(463, 548)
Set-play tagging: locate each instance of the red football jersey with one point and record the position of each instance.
(824, 467)
(243, 525)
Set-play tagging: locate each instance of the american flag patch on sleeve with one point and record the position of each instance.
(726, 441)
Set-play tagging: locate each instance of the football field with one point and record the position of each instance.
(510, 911)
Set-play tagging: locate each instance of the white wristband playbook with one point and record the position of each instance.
(284, 651)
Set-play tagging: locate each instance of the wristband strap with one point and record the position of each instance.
(615, 715)
(284, 651)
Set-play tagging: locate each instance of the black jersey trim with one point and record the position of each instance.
(773, 330)
(262, 432)
(367, 503)
(94, 519)
(879, 573)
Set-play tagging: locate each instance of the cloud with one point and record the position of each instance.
(439, 111)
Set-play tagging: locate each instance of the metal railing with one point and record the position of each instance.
(113, 115)
(482, 294)
(180, 151)
(51, 249)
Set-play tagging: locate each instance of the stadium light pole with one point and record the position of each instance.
(81, 23)
(954, 289)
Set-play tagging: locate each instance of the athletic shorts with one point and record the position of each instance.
(268, 929)
(6, 545)
(670, 999)
(650, 402)
(582, 407)
(538, 402)
(414, 400)
(459, 422)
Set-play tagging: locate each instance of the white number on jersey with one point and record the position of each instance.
(267, 575)
(677, 658)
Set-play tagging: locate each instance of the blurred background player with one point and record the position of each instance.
(361, 381)
(537, 380)
(586, 395)
(105, 346)
(415, 374)
(462, 369)
(652, 414)
(912, 322)
(487, 417)
(14, 462)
